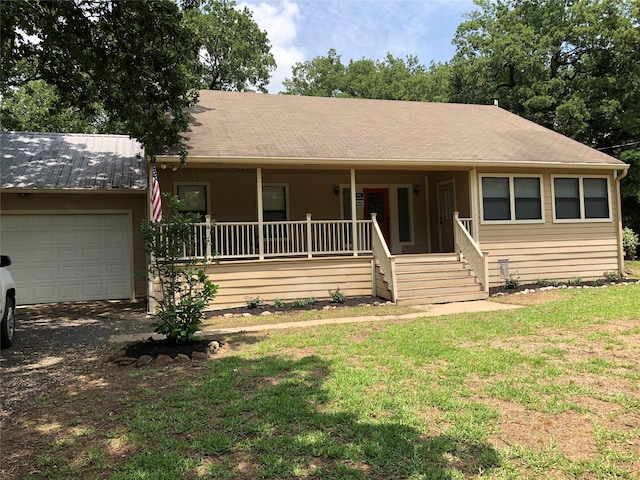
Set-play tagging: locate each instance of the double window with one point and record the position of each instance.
(509, 198)
(581, 199)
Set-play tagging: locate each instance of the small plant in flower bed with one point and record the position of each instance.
(253, 302)
(278, 303)
(612, 277)
(574, 282)
(511, 283)
(337, 296)
(303, 302)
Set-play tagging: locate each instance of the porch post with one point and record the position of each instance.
(260, 214)
(207, 219)
(309, 237)
(475, 211)
(354, 220)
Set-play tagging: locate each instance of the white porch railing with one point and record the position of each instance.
(241, 240)
(383, 257)
(470, 250)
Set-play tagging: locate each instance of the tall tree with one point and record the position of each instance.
(573, 66)
(391, 79)
(131, 63)
(234, 51)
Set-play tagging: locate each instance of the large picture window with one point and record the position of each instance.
(581, 199)
(511, 198)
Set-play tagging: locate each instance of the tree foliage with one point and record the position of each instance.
(572, 66)
(391, 79)
(131, 66)
(234, 51)
(185, 290)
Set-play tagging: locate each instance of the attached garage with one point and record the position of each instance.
(71, 208)
(69, 257)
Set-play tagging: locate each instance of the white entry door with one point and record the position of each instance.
(60, 258)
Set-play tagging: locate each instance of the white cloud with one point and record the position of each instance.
(280, 20)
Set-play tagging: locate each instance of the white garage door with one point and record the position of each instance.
(60, 258)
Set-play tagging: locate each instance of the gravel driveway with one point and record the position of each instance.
(57, 343)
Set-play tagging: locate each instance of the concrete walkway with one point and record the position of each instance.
(425, 311)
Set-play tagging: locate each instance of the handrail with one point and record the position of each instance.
(470, 250)
(382, 254)
(241, 240)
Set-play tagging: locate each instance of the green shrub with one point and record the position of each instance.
(253, 302)
(185, 290)
(574, 281)
(543, 282)
(303, 302)
(278, 303)
(612, 277)
(630, 242)
(511, 283)
(337, 296)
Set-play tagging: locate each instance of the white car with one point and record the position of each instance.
(7, 303)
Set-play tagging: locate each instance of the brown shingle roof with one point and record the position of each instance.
(71, 161)
(232, 125)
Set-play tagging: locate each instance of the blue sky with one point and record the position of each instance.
(300, 30)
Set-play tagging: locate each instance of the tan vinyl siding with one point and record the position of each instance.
(232, 195)
(289, 279)
(382, 289)
(552, 251)
(92, 202)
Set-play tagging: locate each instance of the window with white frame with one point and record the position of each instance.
(508, 198)
(274, 203)
(581, 198)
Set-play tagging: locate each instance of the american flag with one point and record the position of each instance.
(156, 200)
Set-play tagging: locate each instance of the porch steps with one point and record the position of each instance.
(439, 278)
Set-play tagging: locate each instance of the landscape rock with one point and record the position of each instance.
(162, 361)
(182, 358)
(143, 360)
(199, 356)
(124, 361)
(266, 313)
(214, 346)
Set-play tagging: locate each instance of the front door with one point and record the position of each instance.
(376, 200)
(446, 207)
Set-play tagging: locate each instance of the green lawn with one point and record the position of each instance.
(545, 391)
(633, 269)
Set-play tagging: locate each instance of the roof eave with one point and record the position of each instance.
(387, 163)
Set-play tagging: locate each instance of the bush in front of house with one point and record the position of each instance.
(630, 242)
(185, 291)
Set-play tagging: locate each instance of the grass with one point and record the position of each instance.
(633, 269)
(545, 391)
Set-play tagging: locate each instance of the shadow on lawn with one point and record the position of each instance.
(274, 418)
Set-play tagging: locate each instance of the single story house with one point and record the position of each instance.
(70, 211)
(411, 201)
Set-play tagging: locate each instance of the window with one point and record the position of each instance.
(274, 203)
(194, 199)
(581, 198)
(511, 198)
(404, 221)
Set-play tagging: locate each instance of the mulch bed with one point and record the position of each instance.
(290, 307)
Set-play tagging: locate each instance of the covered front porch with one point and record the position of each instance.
(304, 232)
